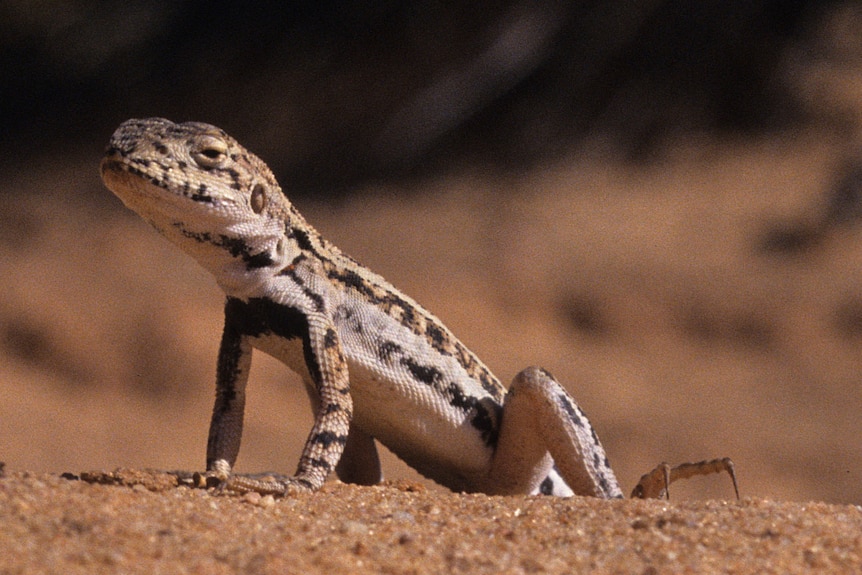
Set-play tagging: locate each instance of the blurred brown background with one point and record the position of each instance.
(658, 202)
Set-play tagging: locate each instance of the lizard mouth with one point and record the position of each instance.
(121, 179)
(116, 175)
(109, 165)
(139, 191)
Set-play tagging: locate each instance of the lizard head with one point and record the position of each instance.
(202, 190)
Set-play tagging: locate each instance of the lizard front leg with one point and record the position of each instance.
(328, 436)
(542, 426)
(360, 462)
(334, 410)
(225, 434)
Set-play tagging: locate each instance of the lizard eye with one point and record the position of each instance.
(258, 198)
(209, 152)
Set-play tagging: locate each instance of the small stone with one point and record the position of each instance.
(354, 528)
(252, 497)
(403, 517)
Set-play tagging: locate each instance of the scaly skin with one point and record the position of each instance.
(376, 364)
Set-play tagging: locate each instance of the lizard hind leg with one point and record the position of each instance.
(542, 426)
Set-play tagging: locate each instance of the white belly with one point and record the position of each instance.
(414, 420)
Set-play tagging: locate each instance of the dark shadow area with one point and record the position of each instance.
(332, 94)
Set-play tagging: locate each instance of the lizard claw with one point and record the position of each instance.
(208, 479)
(264, 483)
(281, 487)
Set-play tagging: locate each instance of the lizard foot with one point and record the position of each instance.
(655, 484)
(263, 483)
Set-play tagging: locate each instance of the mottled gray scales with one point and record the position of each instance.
(376, 364)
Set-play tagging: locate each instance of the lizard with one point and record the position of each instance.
(376, 365)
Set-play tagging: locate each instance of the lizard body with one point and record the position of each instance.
(376, 364)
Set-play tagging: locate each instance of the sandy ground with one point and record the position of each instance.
(695, 308)
(141, 524)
